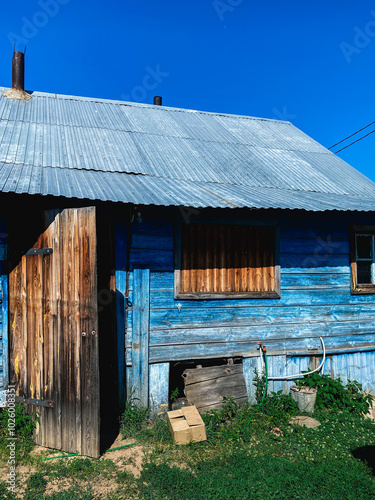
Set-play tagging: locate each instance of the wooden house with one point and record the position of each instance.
(137, 240)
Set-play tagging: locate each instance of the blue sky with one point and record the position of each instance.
(310, 62)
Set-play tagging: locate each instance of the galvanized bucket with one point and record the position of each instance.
(305, 397)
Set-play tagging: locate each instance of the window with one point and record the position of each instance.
(363, 259)
(226, 260)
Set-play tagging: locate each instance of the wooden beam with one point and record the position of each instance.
(141, 335)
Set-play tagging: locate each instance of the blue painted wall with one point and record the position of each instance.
(315, 301)
(4, 372)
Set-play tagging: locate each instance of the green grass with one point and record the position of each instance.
(244, 457)
(255, 463)
(77, 468)
(241, 475)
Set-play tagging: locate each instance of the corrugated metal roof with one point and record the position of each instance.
(135, 153)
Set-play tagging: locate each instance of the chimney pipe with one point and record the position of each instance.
(158, 100)
(18, 70)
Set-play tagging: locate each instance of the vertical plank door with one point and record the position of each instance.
(54, 332)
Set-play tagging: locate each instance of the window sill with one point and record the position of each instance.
(227, 295)
(361, 290)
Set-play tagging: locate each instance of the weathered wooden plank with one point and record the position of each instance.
(76, 337)
(180, 352)
(158, 387)
(262, 332)
(340, 368)
(56, 428)
(195, 375)
(355, 366)
(210, 385)
(249, 365)
(69, 439)
(50, 421)
(225, 317)
(89, 325)
(277, 368)
(317, 270)
(303, 260)
(290, 278)
(140, 335)
(319, 280)
(324, 296)
(292, 368)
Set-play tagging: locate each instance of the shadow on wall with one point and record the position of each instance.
(366, 454)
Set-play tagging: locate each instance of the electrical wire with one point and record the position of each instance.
(349, 136)
(354, 142)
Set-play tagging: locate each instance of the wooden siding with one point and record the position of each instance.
(4, 369)
(315, 299)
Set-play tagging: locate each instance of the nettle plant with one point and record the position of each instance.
(332, 394)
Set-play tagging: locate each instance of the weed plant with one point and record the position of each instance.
(259, 382)
(23, 432)
(332, 394)
(134, 418)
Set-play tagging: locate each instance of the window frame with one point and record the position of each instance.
(361, 288)
(273, 294)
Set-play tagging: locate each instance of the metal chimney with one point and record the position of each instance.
(18, 70)
(158, 101)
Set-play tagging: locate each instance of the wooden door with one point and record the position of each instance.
(54, 332)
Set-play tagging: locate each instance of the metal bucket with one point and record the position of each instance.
(305, 397)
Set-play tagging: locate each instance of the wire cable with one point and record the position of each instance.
(354, 142)
(349, 136)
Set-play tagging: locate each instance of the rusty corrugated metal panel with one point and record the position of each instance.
(137, 153)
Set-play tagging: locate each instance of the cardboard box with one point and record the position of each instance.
(186, 425)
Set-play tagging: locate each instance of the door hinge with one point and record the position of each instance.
(36, 402)
(40, 251)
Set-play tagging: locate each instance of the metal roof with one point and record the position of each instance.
(135, 153)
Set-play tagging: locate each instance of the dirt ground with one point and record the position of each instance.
(126, 459)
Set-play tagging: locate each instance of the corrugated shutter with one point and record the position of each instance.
(223, 258)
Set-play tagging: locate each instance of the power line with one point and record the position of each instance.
(349, 136)
(354, 141)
